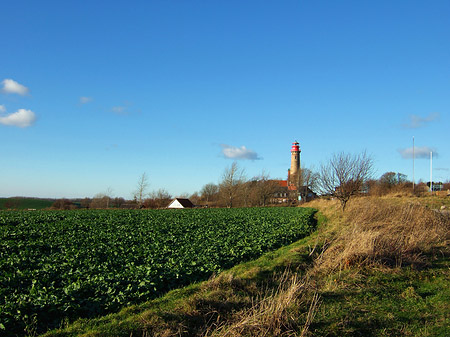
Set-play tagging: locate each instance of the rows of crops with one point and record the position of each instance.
(60, 265)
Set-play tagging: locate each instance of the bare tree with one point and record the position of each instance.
(103, 199)
(108, 195)
(265, 188)
(391, 179)
(232, 179)
(85, 203)
(141, 189)
(345, 175)
(63, 204)
(161, 198)
(158, 199)
(99, 200)
(194, 198)
(118, 202)
(161, 194)
(209, 191)
(308, 181)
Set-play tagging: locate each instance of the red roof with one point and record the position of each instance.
(282, 183)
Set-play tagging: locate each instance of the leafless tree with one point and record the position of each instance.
(141, 189)
(265, 188)
(446, 185)
(161, 194)
(345, 175)
(308, 181)
(194, 198)
(85, 203)
(161, 197)
(232, 179)
(118, 202)
(209, 192)
(157, 199)
(108, 195)
(103, 199)
(63, 204)
(99, 201)
(390, 179)
(247, 194)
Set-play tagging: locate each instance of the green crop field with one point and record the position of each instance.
(25, 203)
(57, 266)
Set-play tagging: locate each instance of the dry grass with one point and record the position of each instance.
(386, 233)
(272, 314)
(328, 207)
(389, 231)
(228, 306)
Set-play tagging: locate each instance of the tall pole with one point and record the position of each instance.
(431, 172)
(414, 184)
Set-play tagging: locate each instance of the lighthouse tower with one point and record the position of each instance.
(295, 164)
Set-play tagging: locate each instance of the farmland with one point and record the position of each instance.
(25, 203)
(57, 266)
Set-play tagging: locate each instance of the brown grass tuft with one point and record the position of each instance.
(386, 233)
(271, 314)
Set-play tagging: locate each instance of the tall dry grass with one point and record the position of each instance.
(373, 231)
(274, 313)
(386, 233)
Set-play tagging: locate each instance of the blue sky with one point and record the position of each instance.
(93, 94)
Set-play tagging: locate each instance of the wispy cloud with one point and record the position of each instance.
(416, 121)
(12, 87)
(421, 152)
(2, 109)
(242, 152)
(85, 100)
(119, 109)
(21, 118)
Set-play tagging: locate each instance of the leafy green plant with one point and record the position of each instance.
(62, 265)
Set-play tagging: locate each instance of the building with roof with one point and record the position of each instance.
(180, 203)
(291, 189)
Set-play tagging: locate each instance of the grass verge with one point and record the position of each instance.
(397, 302)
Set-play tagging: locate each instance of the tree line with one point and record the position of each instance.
(342, 177)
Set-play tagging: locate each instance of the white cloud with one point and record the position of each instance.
(421, 152)
(119, 109)
(2, 108)
(85, 100)
(21, 118)
(418, 122)
(242, 152)
(12, 87)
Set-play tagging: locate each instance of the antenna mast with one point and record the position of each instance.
(431, 172)
(414, 184)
